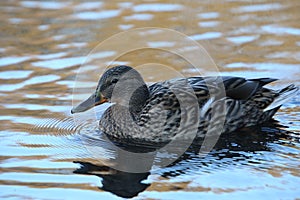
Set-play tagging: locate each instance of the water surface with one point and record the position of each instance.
(43, 44)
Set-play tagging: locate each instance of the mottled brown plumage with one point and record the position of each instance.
(159, 112)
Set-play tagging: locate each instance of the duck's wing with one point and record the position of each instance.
(235, 87)
(247, 101)
(243, 89)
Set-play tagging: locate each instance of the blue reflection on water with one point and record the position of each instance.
(97, 15)
(15, 74)
(206, 36)
(157, 7)
(242, 39)
(12, 60)
(139, 17)
(60, 63)
(44, 4)
(258, 7)
(279, 30)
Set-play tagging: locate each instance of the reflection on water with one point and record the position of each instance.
(43, 43)
(238, 150)
(123, 184)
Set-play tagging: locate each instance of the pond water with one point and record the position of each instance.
(43, 150)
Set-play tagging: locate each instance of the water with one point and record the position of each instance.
(42, 151)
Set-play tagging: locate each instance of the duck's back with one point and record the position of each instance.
(246, 101)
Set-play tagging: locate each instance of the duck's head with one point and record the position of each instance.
(121, 85)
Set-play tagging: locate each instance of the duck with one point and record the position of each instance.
(160, 111)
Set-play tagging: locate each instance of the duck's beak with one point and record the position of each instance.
(92, 101)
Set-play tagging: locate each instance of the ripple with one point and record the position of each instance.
(271, 42)
(12, 60)
(34, 191)
(41, 163)
(31, 81)
(125, 4)
(10, 87)
(161, 44)
(102, 54)
(209, 24)
(51, 5)
(258, 8)
(51, 55)
(279, 30)
(42, 79)
(16, 20)
(43, 27)
(142, 17)
(209, 15)
(206, 36)
(157, 7)
(15, 74)
(97, 15)
(41, 178)
(284, 54)
(243, 39)
(74, 44)
(54, 126)
(126, 26)
(60, 63)
(88, 5)
(275, 70)
(54, 108)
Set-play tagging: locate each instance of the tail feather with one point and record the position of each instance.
(285, 95)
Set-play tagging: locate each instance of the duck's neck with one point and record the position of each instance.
(133, 97)
(138, 99)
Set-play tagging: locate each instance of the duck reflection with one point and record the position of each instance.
(123, 184)
(238, 148)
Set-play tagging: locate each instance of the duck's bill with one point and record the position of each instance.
(92, 101)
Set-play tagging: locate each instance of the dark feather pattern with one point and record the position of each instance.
(238, 101)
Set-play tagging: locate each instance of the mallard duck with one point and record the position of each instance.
(154, 113)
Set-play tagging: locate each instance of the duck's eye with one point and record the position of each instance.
(115, 80)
